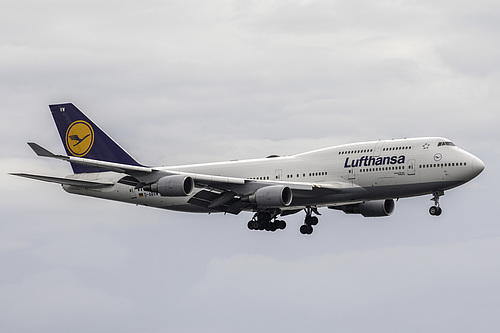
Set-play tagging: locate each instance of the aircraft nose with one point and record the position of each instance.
(477, 166)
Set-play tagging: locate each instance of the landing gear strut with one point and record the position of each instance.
(266, 221)
(436, 210)
(309, 221)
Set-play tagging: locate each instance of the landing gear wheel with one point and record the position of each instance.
(306, 229)
(311, 220)
(435, 211)
(253, 225)
(280, 224)
(266, 220)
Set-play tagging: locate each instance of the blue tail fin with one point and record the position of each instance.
(82, 138)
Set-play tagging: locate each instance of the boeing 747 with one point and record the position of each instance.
(359, 178)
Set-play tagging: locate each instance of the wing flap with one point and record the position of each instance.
(219, 201)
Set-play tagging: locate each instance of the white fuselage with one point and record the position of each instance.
(374, 170)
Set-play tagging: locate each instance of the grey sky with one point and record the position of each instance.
(179, 82)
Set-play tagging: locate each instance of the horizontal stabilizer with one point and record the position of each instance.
(102, 165)
(40, 151)
(66, 181)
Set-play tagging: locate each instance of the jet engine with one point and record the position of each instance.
(375, 208)
(272, 196)
(172, 186)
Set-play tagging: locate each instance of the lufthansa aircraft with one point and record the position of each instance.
(360, 178)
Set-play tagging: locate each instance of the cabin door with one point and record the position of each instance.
(411, 167)
(351, 175)
(378, 148)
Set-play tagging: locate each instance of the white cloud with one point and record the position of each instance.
(57, 298)
(82, 250)
(375, 283)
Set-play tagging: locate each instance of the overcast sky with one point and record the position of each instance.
(179, 82)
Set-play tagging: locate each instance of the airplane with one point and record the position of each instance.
(358, 178)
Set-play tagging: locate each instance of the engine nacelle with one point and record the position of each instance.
(375, 208)
(272, 196)
(172, 186)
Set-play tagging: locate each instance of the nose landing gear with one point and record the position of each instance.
(436, 210)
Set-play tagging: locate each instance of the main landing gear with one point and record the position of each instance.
(266, 221)
(436, 210)
(309, 221)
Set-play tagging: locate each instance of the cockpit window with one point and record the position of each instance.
(446, 143)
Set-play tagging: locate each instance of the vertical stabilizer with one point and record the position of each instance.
(82, 138)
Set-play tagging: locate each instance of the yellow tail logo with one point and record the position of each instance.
(79, 138)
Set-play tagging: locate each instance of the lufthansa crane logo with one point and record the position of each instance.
(79, 138)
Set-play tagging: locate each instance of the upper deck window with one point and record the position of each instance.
(446, 143)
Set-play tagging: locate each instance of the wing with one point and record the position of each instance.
(65, 181)
(218, 193)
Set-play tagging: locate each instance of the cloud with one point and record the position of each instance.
(335, 288)
(82, 250)
(58, 298)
